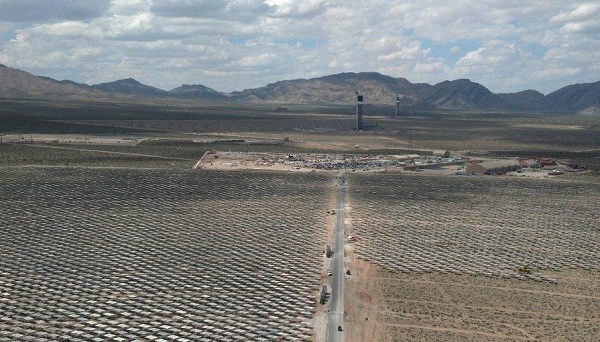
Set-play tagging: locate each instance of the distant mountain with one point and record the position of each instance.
(584, 97)
(337, 89)
(131, 87)
(458, 94)
(377, 89)
(66, 82)
(17, 83)
(198, 91)
(331, 89)
(523, 100)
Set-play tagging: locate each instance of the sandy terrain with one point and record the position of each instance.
(72, 139)
(363, 300)
(443, 307)
(243, 161)
(332, 140)
(392, 306)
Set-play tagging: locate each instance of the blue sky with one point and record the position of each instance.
(228, 45)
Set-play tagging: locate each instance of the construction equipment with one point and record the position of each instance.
(329, 252)
(323, 294)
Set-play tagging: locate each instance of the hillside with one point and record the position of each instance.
(583, 97)
(337, 89)
(458, 94)
(332, 89)
(131, 87)
(523, 100)
(198, 91)
(17, 83)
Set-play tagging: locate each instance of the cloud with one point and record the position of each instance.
(130, 27)
(294, 8)
(505, 45)
(188, 8)
(129, 7)
(497, 60)
(50, 10)
(412, 52)
(580, 19)
(265, 59)
(430, 66)
(217, 10)
(549, 73)
(584, 11)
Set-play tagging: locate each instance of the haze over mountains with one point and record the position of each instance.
(332, 89)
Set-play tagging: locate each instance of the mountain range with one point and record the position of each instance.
(332, 89)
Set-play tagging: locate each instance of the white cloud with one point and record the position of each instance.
(234, 44)
(584, 11)
(549, 73)
(188, 8)
(587, 27)
(218, 10)
(406, 53)
(581, 18)
(496, 60)
(50, 10)
(265, 59)
(294, 8)
(128, 7)
(430, 66)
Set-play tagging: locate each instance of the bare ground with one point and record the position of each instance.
(386, 306)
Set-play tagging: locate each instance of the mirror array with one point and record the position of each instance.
(493, 226)
(125, 255)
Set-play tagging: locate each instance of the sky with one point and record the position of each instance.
(229, 45)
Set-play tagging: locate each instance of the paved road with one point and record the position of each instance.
(336, 306)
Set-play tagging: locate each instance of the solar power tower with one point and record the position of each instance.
(359, 112)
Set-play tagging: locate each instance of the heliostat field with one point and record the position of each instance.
(474, 258)
(132, 254)
(477, 225)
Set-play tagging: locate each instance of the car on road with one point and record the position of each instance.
(329, 273)
(340, 328)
